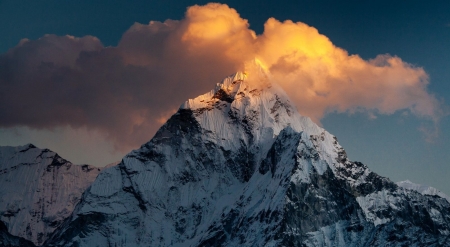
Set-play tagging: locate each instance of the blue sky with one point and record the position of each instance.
(392, 145)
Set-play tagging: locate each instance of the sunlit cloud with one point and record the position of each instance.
(126, 92)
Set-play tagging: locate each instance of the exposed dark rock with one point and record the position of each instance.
(222, 95)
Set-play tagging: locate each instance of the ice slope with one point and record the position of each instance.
(239, 166)
(39, 190)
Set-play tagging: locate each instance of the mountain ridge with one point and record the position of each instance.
(39, 190)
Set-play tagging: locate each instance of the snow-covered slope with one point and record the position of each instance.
(239, 166)
(38, 190)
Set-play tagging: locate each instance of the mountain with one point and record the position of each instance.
(422, 189)
(39, 190)
(239, 166)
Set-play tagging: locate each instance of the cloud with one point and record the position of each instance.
(322, 77)
(125, 92)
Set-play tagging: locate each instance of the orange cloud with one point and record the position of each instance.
(218, 27)
(126, 91)
(318, 76)
(321, 77)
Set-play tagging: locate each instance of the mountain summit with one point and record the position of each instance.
(239, 166)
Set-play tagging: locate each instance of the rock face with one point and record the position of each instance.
(38, 191)
(239, 166)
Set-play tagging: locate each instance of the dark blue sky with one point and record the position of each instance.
(416, 31)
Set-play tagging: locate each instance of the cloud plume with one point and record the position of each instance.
(127, 91)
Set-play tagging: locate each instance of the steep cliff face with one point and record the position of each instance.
(39, 190)
(239, 166)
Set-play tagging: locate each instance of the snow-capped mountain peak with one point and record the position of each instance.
(250, 98)
(239, 166)
(423, 189)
